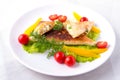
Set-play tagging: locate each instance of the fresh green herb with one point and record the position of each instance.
(58, 25)
(69, 27)
(41, 44)
(55, 47)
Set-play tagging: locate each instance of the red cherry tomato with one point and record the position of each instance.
(83, 19)
(23, 39)
(53, 17)
(70, 60)
(102, 44)
(59, 57)
(62, 18)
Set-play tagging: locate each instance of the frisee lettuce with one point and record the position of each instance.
(92, 35)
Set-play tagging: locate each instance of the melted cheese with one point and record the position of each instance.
(77, 28)
(43, 27)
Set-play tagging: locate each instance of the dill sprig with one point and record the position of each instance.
(40, 44)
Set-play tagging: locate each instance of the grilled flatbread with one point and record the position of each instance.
(46, 28)
(77, 28)
(43, 27)
(66, 38)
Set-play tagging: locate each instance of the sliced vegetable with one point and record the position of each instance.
(53, 17)
(102, 44)
(85, 52)
(32, 27)
(77, 16)
(83, 19)
(62, 18)
(98, 51)
(95, 29)
(81, 51)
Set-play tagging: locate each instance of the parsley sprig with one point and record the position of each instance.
(58, 25)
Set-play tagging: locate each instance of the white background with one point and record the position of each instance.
(11, 10)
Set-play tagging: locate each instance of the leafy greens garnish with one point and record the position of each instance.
(40, 44)
(92, 35)
(58, 25)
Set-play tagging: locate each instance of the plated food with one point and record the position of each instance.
(69, 41)
(46, 63)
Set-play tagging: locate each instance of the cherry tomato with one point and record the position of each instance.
(70, 60)
(23, 39)
(62, 18)
(53, 17)
(102, 44)
(59, 57)
(83, 19)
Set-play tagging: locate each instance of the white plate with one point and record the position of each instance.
(39, 62)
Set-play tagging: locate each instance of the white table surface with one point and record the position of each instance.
(11, 10)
